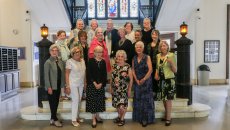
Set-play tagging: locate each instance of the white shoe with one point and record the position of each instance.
(51, 122)
(75, 123)
(80, 120)
(57, 124)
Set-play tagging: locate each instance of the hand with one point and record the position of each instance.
(157, 76)
(67, 90)
(99, 85)
(138, 82)
(50, 91)
(142, 81)
(111, 91)
(169, 61)
(129, 93)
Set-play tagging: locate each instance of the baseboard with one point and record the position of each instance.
(213, 81)
(27, 84)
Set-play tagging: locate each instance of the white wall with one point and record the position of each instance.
(209, 24)
(13, 17)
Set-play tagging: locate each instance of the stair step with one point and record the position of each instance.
(195, 110)
(178, 103)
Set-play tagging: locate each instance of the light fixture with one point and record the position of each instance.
(183, 29)
(44, 31)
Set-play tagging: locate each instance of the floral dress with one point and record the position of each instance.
(120, 83)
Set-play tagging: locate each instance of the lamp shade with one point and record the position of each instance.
(183, 29)
(44, 31)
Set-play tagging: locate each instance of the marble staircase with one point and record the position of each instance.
(180, 110)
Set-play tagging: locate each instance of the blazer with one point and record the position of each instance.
(168, 73)
(50, 73)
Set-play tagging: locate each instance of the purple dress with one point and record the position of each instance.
(143, 103)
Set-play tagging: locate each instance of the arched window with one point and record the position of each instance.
(102, 9)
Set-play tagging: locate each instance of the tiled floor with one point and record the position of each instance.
(214, 96)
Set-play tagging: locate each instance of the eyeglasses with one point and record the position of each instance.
(100, 52)
(55, 50)
(77, 52)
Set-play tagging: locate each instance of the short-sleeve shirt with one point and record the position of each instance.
(77, 73)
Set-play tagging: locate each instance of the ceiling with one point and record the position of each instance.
(49, 12)
(174, 12)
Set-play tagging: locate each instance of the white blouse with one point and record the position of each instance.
(77, 73)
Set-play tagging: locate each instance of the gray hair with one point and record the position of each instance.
(80, 20)
(121, 52)
(54, 46)
(161, 43)
(96, 49)
(140, 43)
(93, 20)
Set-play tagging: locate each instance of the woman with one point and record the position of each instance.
(99, 41)
(75, 82)
(64, 53)
(54, 75)
(152, 51)
(129, 31)
(121, 85)
(166, 67)
(91, 32)
(143, 104)
(82, 35)
(124, 44)
(79, 26)
(96, 81)
(62, 44)
(146, 33)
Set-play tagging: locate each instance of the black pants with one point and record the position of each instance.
(54, 101)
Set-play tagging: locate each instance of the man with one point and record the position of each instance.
(111, 37)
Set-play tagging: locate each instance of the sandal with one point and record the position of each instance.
(121, 123)
(168, 122)
(116, 120)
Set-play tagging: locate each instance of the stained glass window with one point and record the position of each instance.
(124, 8)
(91, 8)
(133, 8)
(112, 8)
(100, 8)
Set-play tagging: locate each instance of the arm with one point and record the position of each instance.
(130, 82)
(67, 73)
(134, 74)
(172, 63)
(47, 78)
(149, 63)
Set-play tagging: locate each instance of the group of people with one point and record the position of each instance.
(129, 60)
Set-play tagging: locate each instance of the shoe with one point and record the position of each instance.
(168, 122)
(80, 120)
(116, 120)
(94, 125)
(144, 123)
(121, 123)
(99, 121)
(75, 123)
(57, 124)
(51, 122)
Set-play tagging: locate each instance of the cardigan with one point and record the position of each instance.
(51, 73)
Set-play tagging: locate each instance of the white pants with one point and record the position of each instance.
(76, 95)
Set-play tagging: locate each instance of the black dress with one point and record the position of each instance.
(95, 99)
(146, 38)
(127, 47)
